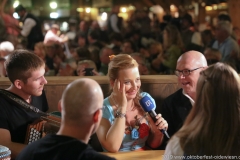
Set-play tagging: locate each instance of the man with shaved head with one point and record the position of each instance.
(177, 106)
(81, 105)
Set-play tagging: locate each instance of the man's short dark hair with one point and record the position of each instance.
(224, 17)
(20, 8)
(21, 63)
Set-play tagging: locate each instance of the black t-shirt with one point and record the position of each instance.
(16, 119)
(56, 147)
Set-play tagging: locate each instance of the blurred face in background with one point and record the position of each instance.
(104, 58)
(127, 48)
(39, 52)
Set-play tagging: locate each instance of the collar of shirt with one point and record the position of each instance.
(191, 100)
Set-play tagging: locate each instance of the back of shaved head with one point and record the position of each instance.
(80, 99)
(194, 57)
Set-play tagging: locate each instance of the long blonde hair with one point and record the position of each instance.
(213, 125)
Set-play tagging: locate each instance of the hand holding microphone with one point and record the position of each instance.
(148, 106)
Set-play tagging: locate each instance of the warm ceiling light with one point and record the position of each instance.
(88, 10)
(80, 9)
(124, 10)
(104, 16)
(15, 15)
(54, 15)
(208, 8)
(15, 4)
(53, 5)
(173, 8)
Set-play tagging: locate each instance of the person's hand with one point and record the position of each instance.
(119, 95)
(81, 70)
(161, 123)
(95, 73)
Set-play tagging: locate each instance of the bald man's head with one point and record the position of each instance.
(193, 62)
(81, 99)
(193, 57)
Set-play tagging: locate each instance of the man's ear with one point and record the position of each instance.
(60, 105)
(96, 116)
(18, 84)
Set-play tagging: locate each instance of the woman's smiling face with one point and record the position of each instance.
(131, 78)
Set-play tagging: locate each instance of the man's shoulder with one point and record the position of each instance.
(175, 95)
(177, 98)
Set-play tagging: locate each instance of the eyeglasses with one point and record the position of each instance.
(185, 72)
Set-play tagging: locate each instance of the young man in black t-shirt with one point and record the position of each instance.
(26, 71)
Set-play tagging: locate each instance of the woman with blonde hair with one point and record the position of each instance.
(213, 126)
(122, 114)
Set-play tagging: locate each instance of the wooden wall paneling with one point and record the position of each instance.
(158, 86)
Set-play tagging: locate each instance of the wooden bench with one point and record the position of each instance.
(158, 86)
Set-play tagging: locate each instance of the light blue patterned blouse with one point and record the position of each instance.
(127, 143)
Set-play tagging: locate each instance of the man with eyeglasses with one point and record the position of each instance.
(81, 109)
(177, 106)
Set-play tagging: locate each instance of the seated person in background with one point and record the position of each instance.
(177, 106)
(25, 70)
(212, 128)
(87, 64)
(142, 63)
(173, 45)
(40, 51)
(81, 109)
(207, 38)
(212, 55)
(122, 113)
(52, 35)
(128, 47)
(104, 58)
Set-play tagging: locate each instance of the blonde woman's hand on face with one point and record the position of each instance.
(161, 123)
(119, 94)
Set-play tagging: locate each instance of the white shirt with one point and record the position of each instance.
(28, 24)
(173, 150)
(191, 100)
(50, 36)
(113, 22)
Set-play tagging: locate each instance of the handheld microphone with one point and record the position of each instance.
(148, 106)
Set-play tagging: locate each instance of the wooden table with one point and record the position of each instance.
(137, 155)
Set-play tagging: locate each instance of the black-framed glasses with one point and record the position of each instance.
(185, 72)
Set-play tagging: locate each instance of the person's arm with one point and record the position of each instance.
(27, 27)
(155, 138)
(111, 136)
(5, 140)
